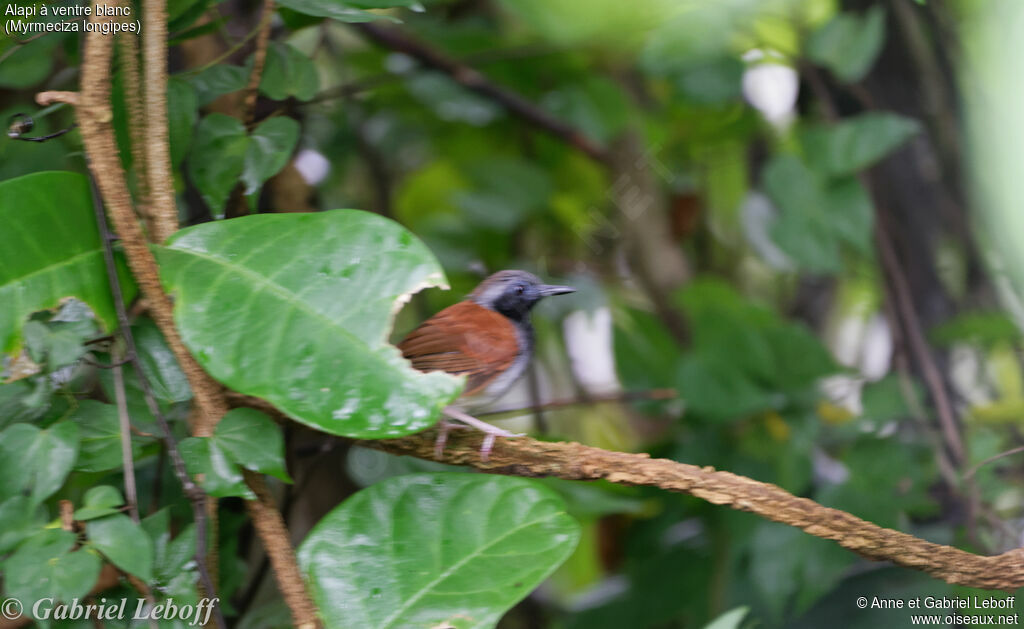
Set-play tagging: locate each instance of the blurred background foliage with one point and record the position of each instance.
(762, 157)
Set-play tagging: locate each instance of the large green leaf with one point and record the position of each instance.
(296, 309)
(433, 550)
(50, 249)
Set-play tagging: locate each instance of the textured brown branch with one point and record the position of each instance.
(395, 39)
(128, 58)
(572, 461)
(95, 117)
(259, 59)
(160, 181)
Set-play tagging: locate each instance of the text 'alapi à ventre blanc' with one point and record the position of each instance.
(66, 10)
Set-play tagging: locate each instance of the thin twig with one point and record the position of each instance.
(995, 457)
(471, 79)
(259, 58)
(898, 290)
(618, 398)
(131, 494)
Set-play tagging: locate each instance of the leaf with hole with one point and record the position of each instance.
(50, 249)
(433, 550)
(296, 309)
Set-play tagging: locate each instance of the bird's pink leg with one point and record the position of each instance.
(490, 431)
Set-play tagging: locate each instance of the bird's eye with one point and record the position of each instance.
(519, 289)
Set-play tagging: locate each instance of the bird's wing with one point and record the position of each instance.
(464, 339)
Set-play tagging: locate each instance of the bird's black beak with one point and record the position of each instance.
(547, 290)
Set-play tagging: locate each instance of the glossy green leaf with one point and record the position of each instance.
(182, 112)
(57, 344)
(856, 143)
(221, 477)
(288, 72)
(218, 158)
(296, 309)
(100, 434)
(270, 147)
(51, 252)
(99, 502)
(251, 439)
(430, 550)
(44, 567)
(124, 543)
(334, 9)
(40, 459)
(848, 44)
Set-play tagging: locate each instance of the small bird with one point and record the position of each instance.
(488, 338)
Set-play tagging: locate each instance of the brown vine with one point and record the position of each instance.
(95, 117)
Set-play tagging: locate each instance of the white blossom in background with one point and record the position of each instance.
(312, 165)
(771, 88)
(863, 343)
(588, 340)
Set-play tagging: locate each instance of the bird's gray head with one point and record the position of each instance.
(514, 293)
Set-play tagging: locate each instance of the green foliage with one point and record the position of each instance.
(310, 297)
(44, 566)
(344, 10)
(816, 218)
(100, 437)
(856, 143)
(225, 153)
(429, 549)
(50, 253)
(848, 44)
(744, 357)
(288, 72)
(99, 502)
(124, 543)
(36, 459)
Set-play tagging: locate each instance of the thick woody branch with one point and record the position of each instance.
(473, 80)
(573, 461)
(160, 181)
